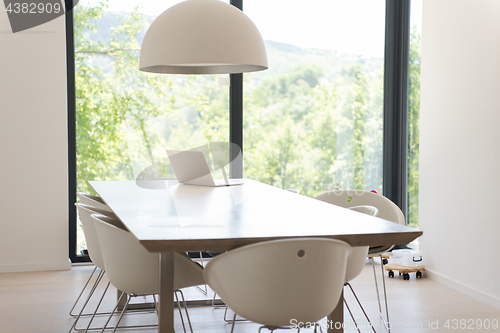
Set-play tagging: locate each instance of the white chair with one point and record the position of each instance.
(273, 282)
(99, 206)
(292, 190)
(135, 271)
(386, 209)
(85, 212)
(95, 254)
(93, 201)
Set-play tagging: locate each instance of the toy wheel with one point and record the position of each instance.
(406, 276)
(385, 261)
(419, 275)
(391, 274)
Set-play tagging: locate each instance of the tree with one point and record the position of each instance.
(117, 105)
(308, 133)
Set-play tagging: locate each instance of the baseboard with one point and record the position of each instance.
(35, 267)
(453, 284)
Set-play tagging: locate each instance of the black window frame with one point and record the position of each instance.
(395, 141)
(72, 179)
(396, 89)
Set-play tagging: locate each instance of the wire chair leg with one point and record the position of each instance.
(361, 306)
(234, 322)
(384, 319)
(180, 311)
(113, 312)
(352, 316)
(99, 277)
(121, 314)
(388, 324)
(81, 293)
(230, 320)
(180, 306)
(97, 308)
(376, 284)
(156, 304)
(186, 309)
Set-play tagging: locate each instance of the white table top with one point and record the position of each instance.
(177, 217)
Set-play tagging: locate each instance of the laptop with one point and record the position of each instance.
(190, 167)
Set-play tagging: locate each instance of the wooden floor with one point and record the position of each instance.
(39, 302)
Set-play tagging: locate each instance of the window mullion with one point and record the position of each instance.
(396, 72)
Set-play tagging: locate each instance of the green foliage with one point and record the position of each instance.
(305, 132)
(116, 104)
(413, 127)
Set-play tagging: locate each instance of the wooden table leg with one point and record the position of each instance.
(336, 318)
(166, 296)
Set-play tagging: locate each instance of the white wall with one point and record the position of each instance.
(33, 148)
(460, 145)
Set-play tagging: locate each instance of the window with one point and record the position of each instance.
(314, 121)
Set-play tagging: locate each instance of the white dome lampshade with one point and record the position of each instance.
(202, 37)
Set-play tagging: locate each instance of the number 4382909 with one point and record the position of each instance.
(471, 324)
(33, 8)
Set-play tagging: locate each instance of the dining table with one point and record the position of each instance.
(168, 217)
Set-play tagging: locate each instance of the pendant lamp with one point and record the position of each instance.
(202, 37)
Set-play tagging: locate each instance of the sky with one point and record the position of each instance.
(347, 26)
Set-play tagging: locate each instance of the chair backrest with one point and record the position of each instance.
(273, 282)
(85, 212)
(131, 268)
(387, 209)
(94, 201)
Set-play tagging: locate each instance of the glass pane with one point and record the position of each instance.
(414, 111)
(125, 118)
(314, 119)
